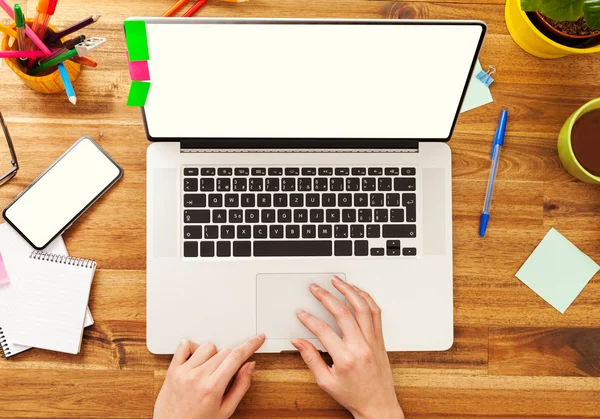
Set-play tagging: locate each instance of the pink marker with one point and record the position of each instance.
(21, 54)
(3, 274)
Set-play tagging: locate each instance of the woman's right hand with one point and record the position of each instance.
(361, 377)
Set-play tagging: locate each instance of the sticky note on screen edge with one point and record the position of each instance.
(557, 270)
(139, 70)
(137, 40)
(478, 94)
(138, 93)
(3, 274)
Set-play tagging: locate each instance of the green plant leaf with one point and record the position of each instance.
(531, 5)
(591, 11)
(562, 9)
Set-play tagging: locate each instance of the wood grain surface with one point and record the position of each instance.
(514, 355)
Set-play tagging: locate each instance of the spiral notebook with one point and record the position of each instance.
(44, 305)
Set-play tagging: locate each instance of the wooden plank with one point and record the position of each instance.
(545, 351)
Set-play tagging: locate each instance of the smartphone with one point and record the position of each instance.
(52, 203)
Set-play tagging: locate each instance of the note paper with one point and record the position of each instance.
(3, 275)
(478, 94)
(139, 71)
(137, 40)
(557, 270)
(138, 93)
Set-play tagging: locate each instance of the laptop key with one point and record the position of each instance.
(375, 171)
(260, 232)
(377, 200)
(357, 231)
(304, 184)
(365, 215)
(345, 200)
(223, 249)
(190, 184)
(378, 251)
(211, 232)
(265, 248)
(196, 216)
(320, 184)
(207, 184)
(192, 232)
(215, 200)
(252, 216)
(191, 171)
(332, 215)
(242, 248)
(194, 200)
(264, 200)
(361, 248)
(353, 184)
(223, 184)
(272, 184)
(336, 184)
(227, 232)
(409, 201)
(207, 171)
(400, 231)
(241, 171)
(349, 215)
(207, 249)
(381, 216)
(240, 184)
(397, 215)
(259, 171)
(255, 184)
(236, 216)
(409, 251)
(409, 171)
(340, 231)
(317, 215)
(361, 200)
(328, 200)
(392, 171)
(232, 200)
(280, 200)
(313, 200)
(393, 251)
(248, 200)
(342, 171)
(292, 171)
(284, 216)
(309, 231)
(190, 249)
(225, 171)
(296, 200)
(384, 184)
(369, 184)
(359, 171)
(288, 184)
(343, 248)
(405, 184)
(309, 171)
(292, 231)
(325, 231)
(325, 171)
(244, 232)
(276, 232)
(373, 231)
(267, 216)
(392, 199)
(219, 216)
(275, 171)
(300, 216)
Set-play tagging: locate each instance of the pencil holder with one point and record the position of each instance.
(49, 83)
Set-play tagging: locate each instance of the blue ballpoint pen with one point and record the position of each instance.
(496, 146)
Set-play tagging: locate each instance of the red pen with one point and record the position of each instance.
(192, 11)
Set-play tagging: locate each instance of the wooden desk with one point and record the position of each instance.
(514, 355)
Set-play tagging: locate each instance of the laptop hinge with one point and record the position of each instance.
(204, 146)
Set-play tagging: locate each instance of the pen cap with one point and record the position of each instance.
(501, 127)
(42, 6)
(19, 17)
(51, 7)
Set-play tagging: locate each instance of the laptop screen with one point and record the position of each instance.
(297, 79)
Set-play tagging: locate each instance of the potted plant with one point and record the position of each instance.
(555, 28)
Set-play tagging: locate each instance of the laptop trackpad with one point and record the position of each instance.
(279, 296)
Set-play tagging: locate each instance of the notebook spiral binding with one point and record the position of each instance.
(5, 351)
(67, 260)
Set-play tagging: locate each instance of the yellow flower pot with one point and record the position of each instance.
(565, 151)
(528, 37)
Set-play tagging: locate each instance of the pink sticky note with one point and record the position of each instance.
(3, 274)
(139, 71)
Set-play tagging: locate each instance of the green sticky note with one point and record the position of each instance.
(138, 93)
(557, 270)
(137, 40)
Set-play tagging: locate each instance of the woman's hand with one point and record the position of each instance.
(361, 377)
(198, 377)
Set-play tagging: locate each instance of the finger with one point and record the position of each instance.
(362, 309)
(330, 340)
(343, 316)
(183, 352)
(212, 364)
(375, 313)
(313, 360)
(236, 358)
(238, 390)
(204, 352)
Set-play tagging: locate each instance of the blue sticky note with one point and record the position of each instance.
(557, 270)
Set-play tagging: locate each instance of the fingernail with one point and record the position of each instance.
(296, 344)
(336, 279)
(251, 367)
(261, 336)
(314, 287)
(300, 312)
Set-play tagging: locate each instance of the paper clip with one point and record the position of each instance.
(486, 76)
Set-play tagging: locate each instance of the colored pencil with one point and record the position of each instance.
(8, 31)
(67, 82)
(192, 11)
(88, 62)
(175, 8)
(69, 45)
(21, 54)
(56, 60)
(37, 41)
(51, 39)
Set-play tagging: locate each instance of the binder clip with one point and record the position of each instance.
(486, 76)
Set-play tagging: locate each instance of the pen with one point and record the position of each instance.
(175, 8)
(45, 9)
(28, 31)
(70, 44)
(20, 24)
(192, 10)
(21, 54)
(496, 146)
(51, 39)
(56, 60)
(67, 82)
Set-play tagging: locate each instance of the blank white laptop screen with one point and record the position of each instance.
(303, 80)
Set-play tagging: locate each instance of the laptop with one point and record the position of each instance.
(284, 151)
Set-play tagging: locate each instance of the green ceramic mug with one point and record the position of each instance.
(565, 150)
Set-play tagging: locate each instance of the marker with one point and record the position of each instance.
(56, 60)
(192, 11)
(64, 48)
(175, 8)
(20, 24)
(67, 82)
(51, 39)
(45, 9)
(28, 31)
(21, 54)
(496, 146)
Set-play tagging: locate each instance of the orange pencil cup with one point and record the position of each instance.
(49, 83)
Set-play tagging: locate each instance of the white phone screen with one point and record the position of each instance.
(61, 194)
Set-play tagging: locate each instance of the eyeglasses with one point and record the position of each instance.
(13, 156)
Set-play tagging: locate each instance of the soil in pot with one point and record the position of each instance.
(576, 28)
(585, 141)
(554, 34)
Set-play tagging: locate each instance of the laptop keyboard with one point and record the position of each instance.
(299, 211)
